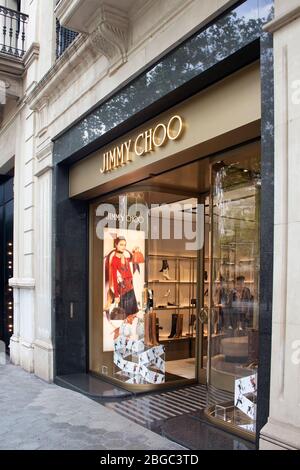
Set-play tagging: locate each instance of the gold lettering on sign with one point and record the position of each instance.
(112, 159)
(117, 157)
(128, 154)
(145, 143)
(120, 155)
(172, 132)
(104, 168)
(148, 141)
(138, 148)
(159, 139)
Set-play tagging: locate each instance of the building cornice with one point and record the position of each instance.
(11, 121)
(62, 68)
(64, 10)
(11, 65)
(282, 20)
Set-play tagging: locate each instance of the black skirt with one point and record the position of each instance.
(128, 303)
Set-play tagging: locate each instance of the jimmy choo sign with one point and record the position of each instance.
(146, 142)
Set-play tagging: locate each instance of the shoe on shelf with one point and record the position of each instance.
(165, 265)
(167, 294)
(166, 274)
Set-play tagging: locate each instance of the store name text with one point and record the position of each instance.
(145, 143)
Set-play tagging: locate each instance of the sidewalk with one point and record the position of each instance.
(36, 415)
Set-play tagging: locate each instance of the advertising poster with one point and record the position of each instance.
(245, 392)
(124, 277)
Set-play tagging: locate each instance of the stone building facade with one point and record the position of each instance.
(60, 63)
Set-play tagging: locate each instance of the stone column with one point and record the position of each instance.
(43, 348)
(23, 280)
(283, 428)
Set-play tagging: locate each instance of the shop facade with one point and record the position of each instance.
(149, 310)
(154, 150)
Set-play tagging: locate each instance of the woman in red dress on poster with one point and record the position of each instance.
(119, 275)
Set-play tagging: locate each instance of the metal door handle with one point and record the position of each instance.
(203, 314)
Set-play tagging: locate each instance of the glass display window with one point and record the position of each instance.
(167, 308)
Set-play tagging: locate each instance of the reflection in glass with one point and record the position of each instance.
(144, 316)
(234, 30)
(235, 283)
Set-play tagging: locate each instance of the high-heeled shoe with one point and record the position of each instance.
(165, 269)
(165, 265)
(166, 274)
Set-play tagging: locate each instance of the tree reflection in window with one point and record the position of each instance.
(197, 54)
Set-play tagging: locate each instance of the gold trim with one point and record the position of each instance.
(144, 388)
(247, 435)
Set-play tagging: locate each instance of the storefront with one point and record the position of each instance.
(6, 257)
(159, 240)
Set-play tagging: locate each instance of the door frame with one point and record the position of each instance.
(201, 371)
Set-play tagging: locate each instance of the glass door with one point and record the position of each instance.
(234, 293)
(203, 293)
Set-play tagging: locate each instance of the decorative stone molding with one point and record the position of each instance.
(42, 116)
(110, 36)
(31, 54)
(53, 81)
(106, 22)
(12, 65)
(22, 283)
(44, 159)
(42, 344)
(282, 20)
(44, 152)
(12, 86)
(64, 10)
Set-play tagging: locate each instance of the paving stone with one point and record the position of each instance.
(37, 415)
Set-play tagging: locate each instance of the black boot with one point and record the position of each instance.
(165, 265)
(158, 328)
(174, 324)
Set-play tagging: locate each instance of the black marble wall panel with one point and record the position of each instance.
(267, 230)
(207, 48)
(70, 267)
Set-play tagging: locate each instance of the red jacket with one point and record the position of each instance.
(121, 276)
